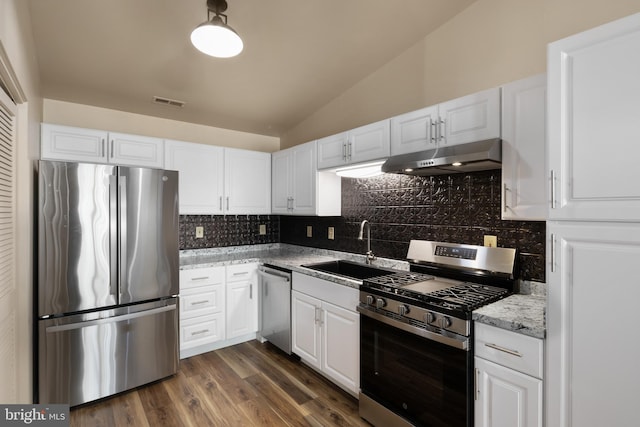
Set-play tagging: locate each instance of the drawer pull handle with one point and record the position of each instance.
(204, 331)
(200, 278)
(200, 302)
(505, 350)
(242, 273)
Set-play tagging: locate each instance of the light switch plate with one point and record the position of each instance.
(199, 232)
(309, 231)
(331, 233)
(263, 229)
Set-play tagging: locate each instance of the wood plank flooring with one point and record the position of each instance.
(249, 384)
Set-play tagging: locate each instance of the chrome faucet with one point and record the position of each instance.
(370, 255)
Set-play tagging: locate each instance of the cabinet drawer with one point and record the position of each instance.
(240, 272)
(198, 277)
(510, 349)
(201, 301)
(201, 330)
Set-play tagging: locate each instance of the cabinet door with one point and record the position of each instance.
(281, 181)
(241, 309)
(471, 118)
(73, 144)
(136, 150)
(332, 151)
(594, 129)
(524, 182)
(305, 328)
(412, 132)
(341, 346)
(201, 177)
(247, 182)
(303, 179)
(592, 354)
(506, 398)
(369, 142)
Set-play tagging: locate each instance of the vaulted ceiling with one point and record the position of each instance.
(298, 55)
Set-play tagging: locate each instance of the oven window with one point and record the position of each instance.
(426, 382)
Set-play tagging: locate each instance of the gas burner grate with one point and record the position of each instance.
(469, 295)
(398, 279)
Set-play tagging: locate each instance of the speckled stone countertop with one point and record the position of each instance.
(524, 314)
(286, 256)
(520, 313)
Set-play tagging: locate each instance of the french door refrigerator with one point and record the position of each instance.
(107, 287)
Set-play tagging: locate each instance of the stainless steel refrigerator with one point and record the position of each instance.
(107, 284)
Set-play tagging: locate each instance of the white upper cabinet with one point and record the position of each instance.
(297, 186)
(524, 182)
(67, 143)
(201, 179)
(369, 142)
(217, 181)
(414, 131)
(474, 117)
(471, 118)
(247, 182)
(593, 123)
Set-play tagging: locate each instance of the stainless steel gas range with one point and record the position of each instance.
(416, 333)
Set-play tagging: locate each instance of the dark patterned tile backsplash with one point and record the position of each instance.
(228, 230)
(459, 208)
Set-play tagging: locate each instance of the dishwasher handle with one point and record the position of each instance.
(270, 272)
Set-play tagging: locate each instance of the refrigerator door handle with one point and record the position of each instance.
(113, 236)
(122, 235)
(130, 316)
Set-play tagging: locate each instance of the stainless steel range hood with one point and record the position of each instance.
(471, 157)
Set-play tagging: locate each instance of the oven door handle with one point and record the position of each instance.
(460, 343)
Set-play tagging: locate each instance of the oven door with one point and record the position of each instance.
(426, 382)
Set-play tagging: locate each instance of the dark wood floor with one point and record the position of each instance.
(249, 384)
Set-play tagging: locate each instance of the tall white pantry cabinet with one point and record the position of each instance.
(593, 233)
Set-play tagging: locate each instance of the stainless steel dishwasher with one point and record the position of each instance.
(275, 306)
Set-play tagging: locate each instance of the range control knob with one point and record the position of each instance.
(445, 322)
(370, 300)
(429, 317)
(403, 309)
(380, 303)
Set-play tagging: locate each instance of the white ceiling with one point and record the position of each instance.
(298, 55)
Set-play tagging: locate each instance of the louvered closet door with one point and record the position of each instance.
(8, 294)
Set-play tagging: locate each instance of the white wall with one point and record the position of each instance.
(490, 43)
(18, 56)
(87, 116)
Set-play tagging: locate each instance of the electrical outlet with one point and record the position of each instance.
(309, 231)
(199, 232)
(331, 233)
(491, 241)
(263, 229)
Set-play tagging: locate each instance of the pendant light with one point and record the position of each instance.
(214, 37)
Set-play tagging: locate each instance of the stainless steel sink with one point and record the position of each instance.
(350, 269)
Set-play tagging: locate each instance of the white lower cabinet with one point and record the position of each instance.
(242, 300)
(508, 379)
(326, 329)
(218, 307)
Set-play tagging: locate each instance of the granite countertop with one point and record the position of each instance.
(290, 257)
(524, 314)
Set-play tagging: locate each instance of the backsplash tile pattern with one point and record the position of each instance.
(459, 208)
(228, 230)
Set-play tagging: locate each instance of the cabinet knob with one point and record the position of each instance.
(403, 309)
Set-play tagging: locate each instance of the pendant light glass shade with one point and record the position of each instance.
(215, 38)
